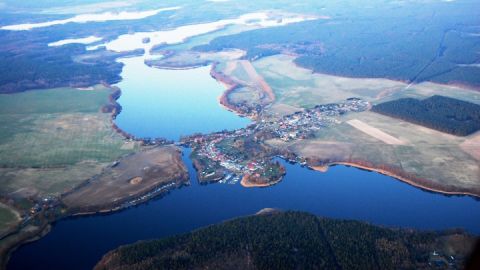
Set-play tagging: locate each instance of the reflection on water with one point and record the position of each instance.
(134, 41)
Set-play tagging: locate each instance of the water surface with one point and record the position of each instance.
(85, 18)
(342, 192)
(175, 103)
(171, 103)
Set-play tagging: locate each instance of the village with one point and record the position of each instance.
(302, 124)
(228, 156)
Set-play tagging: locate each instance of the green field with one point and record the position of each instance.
(51, 140)
(371, 44)
(59, 100)
(440, 161)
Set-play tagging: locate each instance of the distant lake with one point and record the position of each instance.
(171, 103)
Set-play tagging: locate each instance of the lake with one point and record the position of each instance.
(172, 103)
(342, 192)
(175, 103)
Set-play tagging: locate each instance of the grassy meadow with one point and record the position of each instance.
(51, 140)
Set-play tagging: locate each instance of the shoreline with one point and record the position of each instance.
(245, 183)
(230, 86)
(114, 109)
(111, 210)
(27, 237)
(406, 180)
(324, 168)
(184, 67)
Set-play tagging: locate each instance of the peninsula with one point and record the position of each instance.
(57, 173)
(323, 128)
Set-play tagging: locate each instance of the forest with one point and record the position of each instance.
(441, 113)
(287, 240)
(401, 46)
(28, 63)
(51, 69)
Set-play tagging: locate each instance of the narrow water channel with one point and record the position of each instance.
(342, 192)
(175, 103)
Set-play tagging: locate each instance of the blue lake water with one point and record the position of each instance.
(171, 103)
(342, 192)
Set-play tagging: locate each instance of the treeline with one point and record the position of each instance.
(52, 67)
(445, 114)
(368, 45)
(281, 240)
(28, 63)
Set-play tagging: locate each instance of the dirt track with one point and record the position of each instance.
(375, 132)
(258, 80)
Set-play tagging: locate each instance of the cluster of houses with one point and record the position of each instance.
(300, 125)
(234, 166)
(45, 204)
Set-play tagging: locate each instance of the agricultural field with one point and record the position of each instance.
(299, 87)
(52, 140)
(130, 178)
(368, 43)
(431, 158)
(441, 113)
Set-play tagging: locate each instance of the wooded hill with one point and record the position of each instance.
(292, 240)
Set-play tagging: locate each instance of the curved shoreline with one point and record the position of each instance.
(246, 183)
(114, 108)
(25, 238)
(231, 86)
(407, 180)
(119, 206)
(324, 168)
